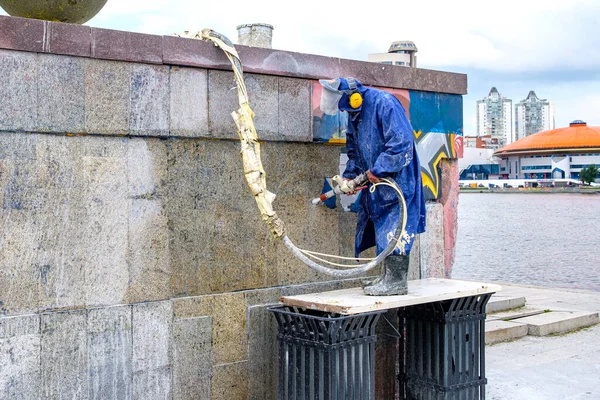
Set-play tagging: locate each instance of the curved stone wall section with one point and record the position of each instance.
(133, 261)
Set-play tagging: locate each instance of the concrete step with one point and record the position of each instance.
(558, 322)
(501, 331)
(500, 303)
(514, 314)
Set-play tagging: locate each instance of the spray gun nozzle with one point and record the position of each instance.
(339, 185)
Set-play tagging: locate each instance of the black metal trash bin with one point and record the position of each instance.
(325, 356)
(443, 356)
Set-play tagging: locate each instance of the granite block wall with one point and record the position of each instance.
(133, 260)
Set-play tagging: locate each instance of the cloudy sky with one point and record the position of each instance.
(550, 46)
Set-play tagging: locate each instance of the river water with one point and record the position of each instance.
(550, 239)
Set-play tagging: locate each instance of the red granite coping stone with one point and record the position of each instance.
(22, 34)
(69, 39)
(193, 53)
(80, 40)
(126, 46)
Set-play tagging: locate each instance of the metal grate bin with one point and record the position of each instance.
(444, 350)
(325, 356)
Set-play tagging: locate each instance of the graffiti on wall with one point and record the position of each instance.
(437, 121)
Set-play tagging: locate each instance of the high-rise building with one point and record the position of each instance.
(533, 115)
(494, 117)
(400, 53)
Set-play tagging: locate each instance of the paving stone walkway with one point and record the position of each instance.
(561, 366)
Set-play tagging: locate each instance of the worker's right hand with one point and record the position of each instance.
(372, 178)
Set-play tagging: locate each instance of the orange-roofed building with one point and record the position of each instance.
(555, 154)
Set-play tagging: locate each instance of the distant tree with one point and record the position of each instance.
(589, 174)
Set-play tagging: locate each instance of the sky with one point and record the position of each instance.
(552, 47)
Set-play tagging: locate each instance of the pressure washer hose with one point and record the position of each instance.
(255, 177)
(358, 270)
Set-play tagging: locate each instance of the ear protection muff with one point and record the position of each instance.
(355, 98)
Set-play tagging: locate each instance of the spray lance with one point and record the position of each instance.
(342, 186)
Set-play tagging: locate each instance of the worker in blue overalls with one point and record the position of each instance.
(380, 142)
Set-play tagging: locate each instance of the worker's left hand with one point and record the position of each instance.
(349, 192)
(372, 178)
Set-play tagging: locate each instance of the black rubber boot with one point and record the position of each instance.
(394, 279)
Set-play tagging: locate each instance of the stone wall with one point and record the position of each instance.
(133, 260)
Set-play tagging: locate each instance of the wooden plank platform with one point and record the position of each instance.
(354, 301)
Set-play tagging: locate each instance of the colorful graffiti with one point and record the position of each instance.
(437, 121)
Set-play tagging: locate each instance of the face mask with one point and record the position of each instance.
(330, 96)
(329, 101)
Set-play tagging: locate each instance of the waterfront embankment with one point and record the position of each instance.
(579, 190)
(556, 367)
